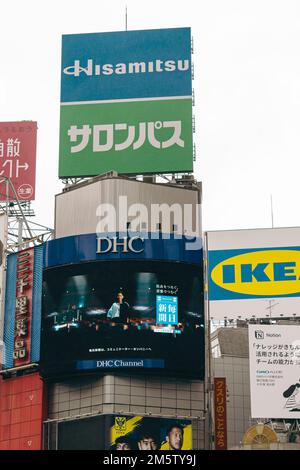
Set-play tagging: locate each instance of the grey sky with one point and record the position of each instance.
(247, 88)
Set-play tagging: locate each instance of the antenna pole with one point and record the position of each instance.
(126, 18)
(272, 215)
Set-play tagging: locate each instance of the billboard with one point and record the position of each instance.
(144, 433)
(274, 353)
(220, 404)
(18, 159)
(122, 309)
(254, 273)
(126, 102)
(120, 432)
(22, 317)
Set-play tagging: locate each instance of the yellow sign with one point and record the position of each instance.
(265, 273)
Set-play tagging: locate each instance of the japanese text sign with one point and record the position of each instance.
(18, 159)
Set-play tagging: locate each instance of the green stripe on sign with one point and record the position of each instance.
(128, 137)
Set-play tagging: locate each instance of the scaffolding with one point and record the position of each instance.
(21, 231)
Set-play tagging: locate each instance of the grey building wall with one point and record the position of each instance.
(81, 204)
(111, 394)
(236, 371)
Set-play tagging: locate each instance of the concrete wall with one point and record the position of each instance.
(81, 204)
(123, 394)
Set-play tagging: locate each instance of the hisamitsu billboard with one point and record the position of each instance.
(126, 65)
(126, 103)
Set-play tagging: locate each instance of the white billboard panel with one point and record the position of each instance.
(254, 273)
(274, 353)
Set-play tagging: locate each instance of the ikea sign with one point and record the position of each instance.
(258, 273)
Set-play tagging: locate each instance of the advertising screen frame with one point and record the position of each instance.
(151, 361)
(247, 273)
(130, 428)
(274, 356)
(126, 97)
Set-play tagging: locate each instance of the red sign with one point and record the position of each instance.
(23, 307)
(220, 414)
(17, 159)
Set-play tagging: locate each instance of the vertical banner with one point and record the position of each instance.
(23, 309)
(220, 413)
(18, 159)
(3, 243)
(274, 353)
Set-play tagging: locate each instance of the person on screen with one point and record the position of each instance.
(147, 440)
(119, 311)
(175, 437)
(124, 443)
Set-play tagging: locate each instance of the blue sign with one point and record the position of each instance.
(121, 364)
(126, 65)
(35, 309)
(166, 310)
(80, 248)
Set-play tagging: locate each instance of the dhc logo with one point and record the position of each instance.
(266, 272)
(125, 245)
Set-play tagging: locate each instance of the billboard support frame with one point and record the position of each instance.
(9, 185)
(19, 226)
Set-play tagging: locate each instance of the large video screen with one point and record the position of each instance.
(120, 432)
(143, 433)
(132, 315)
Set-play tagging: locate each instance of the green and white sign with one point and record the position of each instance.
(131, 137)
(126, 103)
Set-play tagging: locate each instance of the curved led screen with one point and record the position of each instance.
(129, 315)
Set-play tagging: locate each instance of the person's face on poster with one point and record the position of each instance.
(175, 438)
(123, 446)
(147, 443)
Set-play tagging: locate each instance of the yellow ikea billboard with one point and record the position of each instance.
(254, 273)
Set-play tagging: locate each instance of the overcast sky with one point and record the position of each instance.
(247, 89)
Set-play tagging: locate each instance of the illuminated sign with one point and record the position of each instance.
(220, 413)
(135, 315)
(166, 310)
(23, 308)
(115, 244)
(130, 432)
(144, 433)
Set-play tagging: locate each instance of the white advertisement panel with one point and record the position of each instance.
(254, 273)
(274, 353)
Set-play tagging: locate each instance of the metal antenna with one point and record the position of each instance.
(126, 18)
(271, 305)
(272, 215)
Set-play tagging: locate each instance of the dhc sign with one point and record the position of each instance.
(123, 245)
(273, 272)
